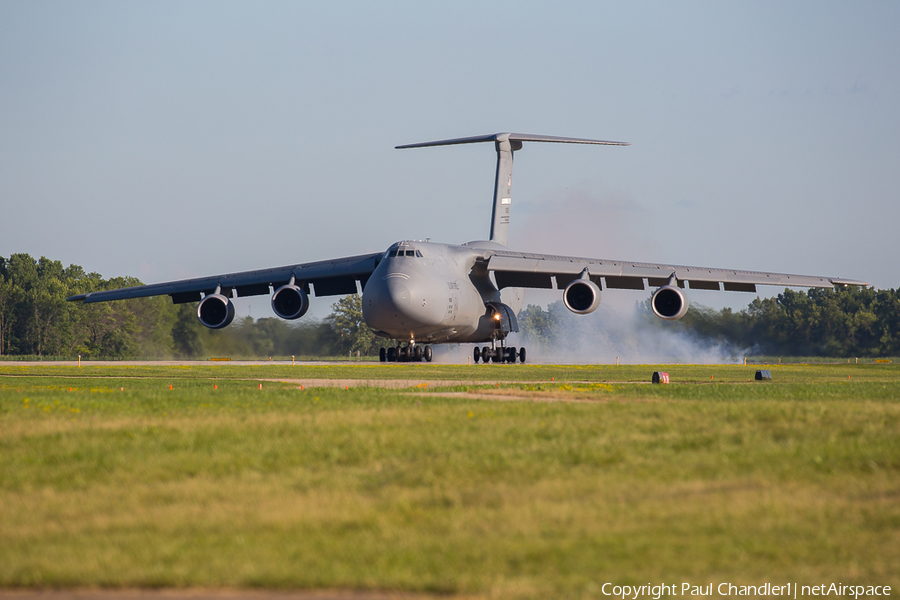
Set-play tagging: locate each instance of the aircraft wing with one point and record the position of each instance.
(527, 270)
(328, 278)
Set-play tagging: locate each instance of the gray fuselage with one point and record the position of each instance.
(429, 292)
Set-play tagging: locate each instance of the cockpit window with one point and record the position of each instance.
(401, 252)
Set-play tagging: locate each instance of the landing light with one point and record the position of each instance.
(496, 316)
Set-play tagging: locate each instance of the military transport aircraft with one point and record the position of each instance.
(420, 292)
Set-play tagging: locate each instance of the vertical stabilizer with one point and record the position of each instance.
(506, 144)
(503, 188)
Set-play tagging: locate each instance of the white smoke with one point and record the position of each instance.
(610, 334)
(608, 225)
(453, 354)
(627, 335)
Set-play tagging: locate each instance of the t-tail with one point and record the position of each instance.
(506, 144)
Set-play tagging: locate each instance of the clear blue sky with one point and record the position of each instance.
(169, 139)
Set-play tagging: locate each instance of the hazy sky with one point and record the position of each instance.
(177, 139)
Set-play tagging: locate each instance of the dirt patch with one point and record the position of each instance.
(429, 384)
(377, 383)
(505, 396)
(420, 386)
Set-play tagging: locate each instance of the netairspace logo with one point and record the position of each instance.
(790, 590)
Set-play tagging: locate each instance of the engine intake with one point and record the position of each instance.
(669, 303)
(290, 302)
(582, 296)
(215, 311)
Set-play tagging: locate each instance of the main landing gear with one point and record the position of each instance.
(408, 353)
(498, 355)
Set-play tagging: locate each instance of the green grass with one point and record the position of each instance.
(124, 482)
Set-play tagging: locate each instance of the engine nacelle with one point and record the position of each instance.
(215, 311)
(669, 303)
(290, 302)
(582, 296)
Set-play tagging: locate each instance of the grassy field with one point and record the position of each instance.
(110, 478)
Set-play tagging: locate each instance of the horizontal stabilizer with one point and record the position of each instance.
(514, 137)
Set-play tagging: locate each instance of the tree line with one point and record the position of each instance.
(35, 320)
(838, 322)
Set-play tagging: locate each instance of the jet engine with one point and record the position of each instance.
(582, 296)
(215, 311)
(669, 303)
(290, 302)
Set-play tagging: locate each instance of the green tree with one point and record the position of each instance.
(155, 318)
(42, 321)
(10, 295)
(272, 337)
(820, 322)
(105, 329)
(346, 319)
(539, 326)
(187, 331)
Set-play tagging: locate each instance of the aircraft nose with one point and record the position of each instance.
(397, 292)
(388, 304)
(384, 301)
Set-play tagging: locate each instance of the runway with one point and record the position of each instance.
(186, 363)
(209, 594)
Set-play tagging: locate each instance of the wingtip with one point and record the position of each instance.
(848, 282)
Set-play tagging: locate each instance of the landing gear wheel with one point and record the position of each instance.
(417, 354)
(428, 354)
(402, 354)
(522, 354)
(486, 354)
(476, 354)
(511, 355)
(382, 355)
(392, 354)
